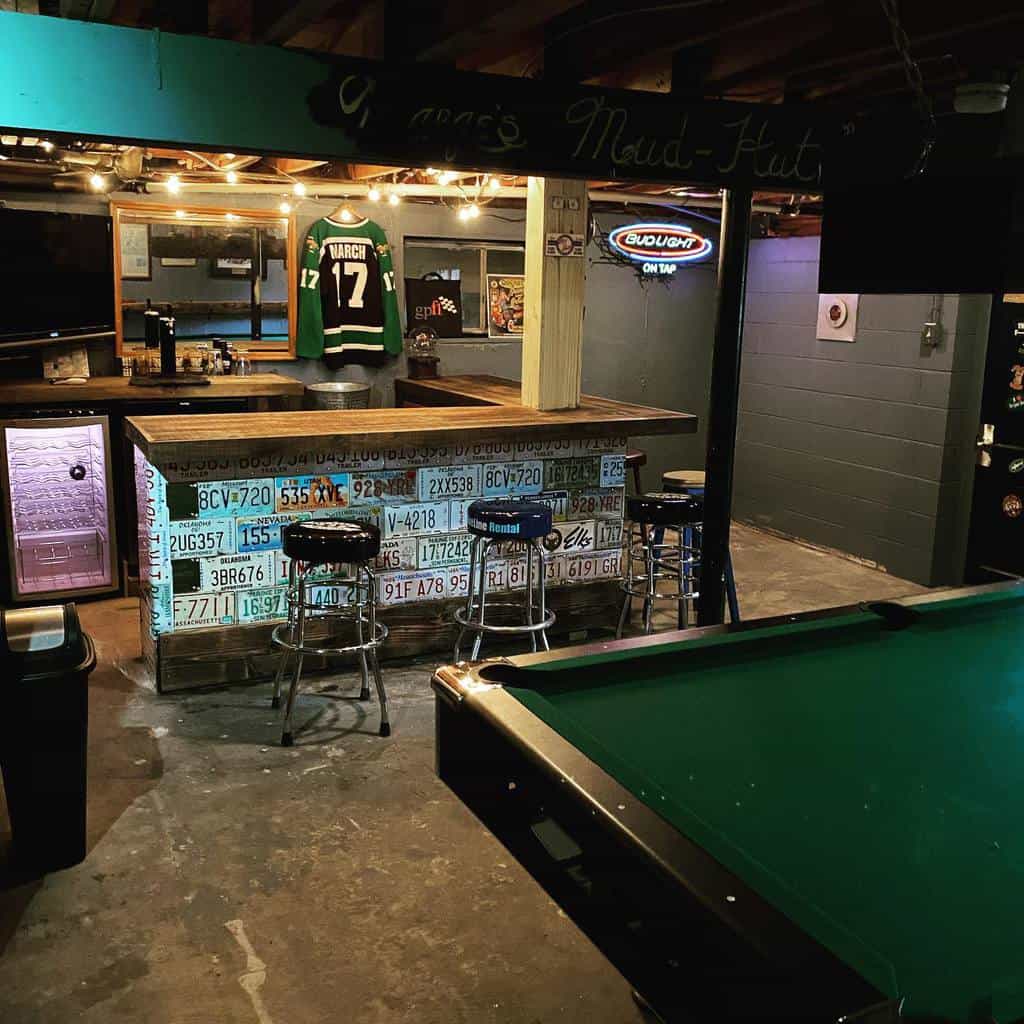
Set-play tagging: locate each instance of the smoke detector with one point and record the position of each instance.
(980, 97)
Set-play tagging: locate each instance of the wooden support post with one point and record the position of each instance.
(553, 330)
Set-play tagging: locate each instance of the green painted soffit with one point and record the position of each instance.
(83, 78)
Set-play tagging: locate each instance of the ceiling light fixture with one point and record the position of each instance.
(232, 177)
(174, 184)
(374, 194)
(494, 184)
(394, 199)
(285, 206)
(98, 182)
(299, 189)
(229, 156)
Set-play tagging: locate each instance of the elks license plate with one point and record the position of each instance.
(397, 554)
(262, 605)
(311, 493)
(193, 611)
(513, 478)
(415, 520)
(382, 485)
(584, 472)
(449, 482)
(438, 552)
(236, 572)
(235, 497)
(568, 538)
(597, 503)
(196, 538)
(262, 533)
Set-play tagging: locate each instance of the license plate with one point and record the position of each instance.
(458, 513)
(355, 514)
(439, 552)
(607, 534)
(403, 587)
(596, 445)
(196, 538)
(458, 581)
(568, 538)
(554, 570)
(326, 595)
(194, 611)
(449, 482)
(484, 451)
(311, 493)
(597, 503)
(424, 455)
(515, 573)
(544, 449)
(382, 485)
(157, 608)
(262, 533)
(513, 478)
(397, 554)
(262, 605)
(496, 575)
(613, 470)
(415, 520)
(235, 497)
(560, 473)
(557, 501)
(237, 572)
(593, 566)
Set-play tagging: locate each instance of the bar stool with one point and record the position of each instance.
(348, 547)
(635, 458)
(691, 481)
(678, 562)
(493, 524)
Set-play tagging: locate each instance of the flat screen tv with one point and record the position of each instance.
(56, 275)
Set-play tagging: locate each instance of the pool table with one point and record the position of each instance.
(807, 818)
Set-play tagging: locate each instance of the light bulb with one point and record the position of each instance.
(285, 206)
(299, 189)
(430, 172)
(174, 184)
(346, 215)
(231, 216)
(463, 213)
(394, 199)
(229, 156)
(232, 177)
(374, 194)
(47, 146)
(494, 184)
(97, 181)
(180, 214)
(445, 178)
(472, 211)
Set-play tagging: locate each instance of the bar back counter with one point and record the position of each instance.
(214, 491)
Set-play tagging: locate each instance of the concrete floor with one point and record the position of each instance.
(230, 880)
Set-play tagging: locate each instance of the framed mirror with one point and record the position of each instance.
(222, 274)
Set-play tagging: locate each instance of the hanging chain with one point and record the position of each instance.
(915, 80)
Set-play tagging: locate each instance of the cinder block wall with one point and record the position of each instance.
(867, 447)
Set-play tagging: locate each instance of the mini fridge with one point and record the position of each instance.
(58, 508)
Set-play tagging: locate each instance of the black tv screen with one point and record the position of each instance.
(924, 235)
(56, 274)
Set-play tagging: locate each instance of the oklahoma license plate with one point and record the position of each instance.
(196, 538)
(449, 482)
(235, 572)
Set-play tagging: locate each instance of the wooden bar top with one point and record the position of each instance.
(165, 439)
(120, 389)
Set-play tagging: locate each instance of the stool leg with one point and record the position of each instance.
(730, 590)
(636, 481)
(649, 564)
(468, 614)
(364, 672)
(300, 628)
(627, 599)
(682, 605)
(543, 595)
(275, 701)
(528, 610)
(378, 680)
(479, 638)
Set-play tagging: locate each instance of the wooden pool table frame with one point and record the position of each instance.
(687, 933)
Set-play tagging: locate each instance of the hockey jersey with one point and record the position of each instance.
(348, 307)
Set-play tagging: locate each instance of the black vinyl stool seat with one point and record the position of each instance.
(335, 556)
(519, 525)
(664, 508)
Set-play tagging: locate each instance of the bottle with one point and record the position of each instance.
(168, 347)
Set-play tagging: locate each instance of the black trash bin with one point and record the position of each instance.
(45, 661)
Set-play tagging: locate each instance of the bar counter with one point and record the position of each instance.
(214, 491)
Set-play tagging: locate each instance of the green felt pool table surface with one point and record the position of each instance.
(865, 780)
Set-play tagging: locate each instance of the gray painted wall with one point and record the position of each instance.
(864, 447)
(648, 343)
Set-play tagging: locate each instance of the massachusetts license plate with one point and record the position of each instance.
(402, 587)
(262, 533)
(448, 549)
(237, 572)
(194, 611)
(196, 538)
(397, 554)
(311, 493)
(513, 478)
(262, 605)
(593, 566)
(415, 520)
(383, 485)
(449, 482)
(597, 503)
(585, 472)
(235, 497)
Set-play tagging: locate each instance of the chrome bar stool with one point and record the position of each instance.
(518, 525)
(330, 579)
(691, 481)
(651, 562)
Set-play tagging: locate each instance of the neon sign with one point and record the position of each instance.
(659, 247)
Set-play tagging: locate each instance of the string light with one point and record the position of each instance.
(174, 184)
(299, 189)
(446, 177)
(180, 214)
(98, 182)
(47, 146)
(347, 215)
(231, 216)
(394, 199)
(232, 177)
(374, 194)
(285, 206)
(463, 213)
(229, 156)
(494, 184)
(472, 211)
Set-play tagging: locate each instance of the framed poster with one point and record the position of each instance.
(135, 262)
(234, 266)
(505, 304)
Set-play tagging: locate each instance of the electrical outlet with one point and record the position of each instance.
(572, 203)
(557, 202)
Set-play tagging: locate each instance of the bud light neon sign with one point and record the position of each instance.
(659, 247)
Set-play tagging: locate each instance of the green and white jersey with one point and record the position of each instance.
(348, 307)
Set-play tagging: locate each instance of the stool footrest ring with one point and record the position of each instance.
(278, 639)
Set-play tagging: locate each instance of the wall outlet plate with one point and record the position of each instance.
(837, 317)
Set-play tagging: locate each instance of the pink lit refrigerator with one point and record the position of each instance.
(58, 508)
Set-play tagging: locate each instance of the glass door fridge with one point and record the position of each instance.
(58, 507)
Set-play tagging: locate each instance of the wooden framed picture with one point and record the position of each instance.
(135, 259)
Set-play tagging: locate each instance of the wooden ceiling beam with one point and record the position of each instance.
(279, 22)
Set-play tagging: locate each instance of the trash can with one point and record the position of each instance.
(45, 661)
(338, 394)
